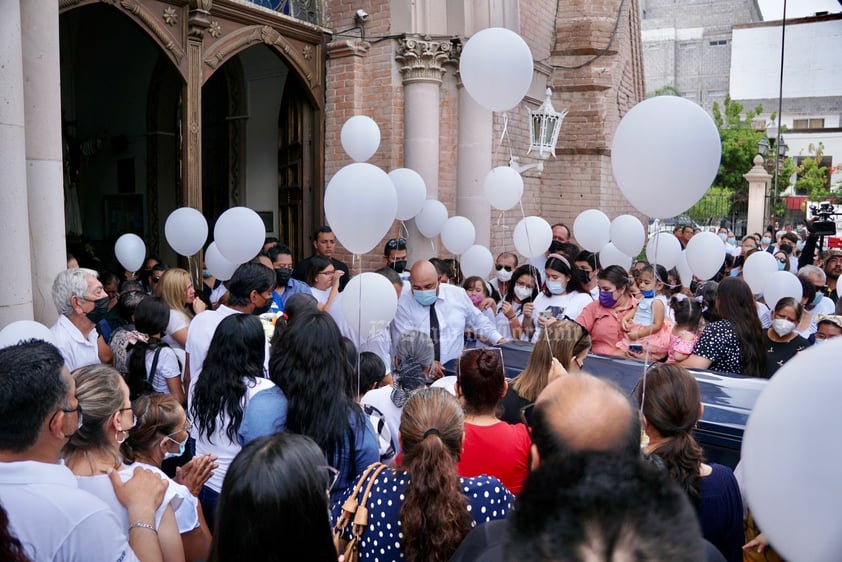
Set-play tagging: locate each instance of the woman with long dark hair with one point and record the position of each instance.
(736, 343)
(273, 505)
(603, 317)
(315, 396)
(516, 307)
(151, 317)
(421, 513)
(232, 375)
(563, 295)
(491, 446)
(671, 406)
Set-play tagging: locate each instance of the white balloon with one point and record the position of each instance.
(611, 255)
(757, 270)
(431, 218)
(23, 330)
(665, 155)
(458, 234)
(532, 236)
(130, 251)
(496, 68)
(239, 234)
(790, 456)
(705, 254)
(186, 231)
(627, 234)
(411, 191)
(779, 285)
(476, 260)
(503, 187)
(591, 229)
(663, 248)
(360, 137)
(217, 264)
(369, 303)
(360, 206)
(684, 270)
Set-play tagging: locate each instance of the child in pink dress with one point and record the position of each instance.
(687, 313)
(647, 324)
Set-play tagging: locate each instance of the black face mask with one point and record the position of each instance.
(283, 274)
(99, 311)
(399, 265)
(262, 309)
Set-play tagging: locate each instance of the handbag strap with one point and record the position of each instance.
(361, 517)
(154, 367)
(349, 508)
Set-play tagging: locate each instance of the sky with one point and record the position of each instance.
(773, 9)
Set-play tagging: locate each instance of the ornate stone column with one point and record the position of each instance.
(44, 173)
(422, 61)
(474, 162)
(197, 23)
(15, 278)
(758, 183)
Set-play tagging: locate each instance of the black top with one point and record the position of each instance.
(719, 343)
(300, 271)
(511, 405)
(781, 352)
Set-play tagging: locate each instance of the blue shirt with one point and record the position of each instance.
(267, 414)
(279, 299)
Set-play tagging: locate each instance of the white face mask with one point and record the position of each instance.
(782, 326)
(504, 276)
(522, 293)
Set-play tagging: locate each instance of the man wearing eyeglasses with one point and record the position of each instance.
(324, 245)
(81, 302)
(51, 517)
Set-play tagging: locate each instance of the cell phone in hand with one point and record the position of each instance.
(636, 348)
(556, 312)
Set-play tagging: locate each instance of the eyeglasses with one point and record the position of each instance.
(501, 266)
(188, 427)
(526, 415)
(332, 477)
(328, 273)
(78, 410)
(134, 416)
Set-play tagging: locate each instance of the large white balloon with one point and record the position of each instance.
(663, 248)
(360, 206)
(627, 234)
(791, 456)
(130, 251)
(611, 255)
(532, 236)
(665, 155)
(476, 260)
(684, 270)
(369, 303)
(360, 137)
(186, 231)
(779, 285)
(591, 229)
(431, 218)
(705, 254)
(216, 263)
(503, 187)
(239, 234)
(496, 68)
(757, 270)
(23, 330)
(411, 191)
(458, 234)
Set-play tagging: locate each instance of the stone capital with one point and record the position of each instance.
(423, 58)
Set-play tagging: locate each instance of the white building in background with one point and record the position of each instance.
(812, 83)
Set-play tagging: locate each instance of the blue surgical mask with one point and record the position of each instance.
(206, 274)
(648, 294)
(555, 287)
(424, 298)
(766, 240)
(781, 265)
(799, 246)
(732, 241)
(181, 447)
(817, 299)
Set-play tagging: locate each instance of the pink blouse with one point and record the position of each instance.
(605, 325)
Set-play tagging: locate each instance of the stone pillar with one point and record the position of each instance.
(44, 172)
(15, 273)
(474, 162)
(758, 184)
(422, 61)
(197, 23)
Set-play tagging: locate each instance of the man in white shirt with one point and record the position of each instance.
(443, 311)
(48, 513)
(81, 302)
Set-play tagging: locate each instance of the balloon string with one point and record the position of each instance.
(359, 327)
(403, 229)
(503, 135)
(522, 212)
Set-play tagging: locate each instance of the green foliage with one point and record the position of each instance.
(664, 91)
(739, 144)
(812, 176)
(717, 202)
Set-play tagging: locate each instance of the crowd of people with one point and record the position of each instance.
(186, 431)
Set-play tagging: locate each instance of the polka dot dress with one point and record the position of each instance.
(488, 500)
(719, 343)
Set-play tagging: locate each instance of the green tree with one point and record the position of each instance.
(813, 176)
(664, 91)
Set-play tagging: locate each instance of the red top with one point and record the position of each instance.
(500, 450)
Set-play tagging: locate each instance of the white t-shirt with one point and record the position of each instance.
(503, 325)
(381, 399)
(825, 306)
(167, 368)
(77, 349)
(187, 509)
(55, 520)
(178, 321)
(571, 305)
(223, 447)
(320, 295)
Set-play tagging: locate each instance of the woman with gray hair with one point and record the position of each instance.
(413, 357)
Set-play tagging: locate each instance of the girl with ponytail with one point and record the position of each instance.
(426, 501)
(671, 406)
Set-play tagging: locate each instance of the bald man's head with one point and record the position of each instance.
(423, 276)
(584, 413)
